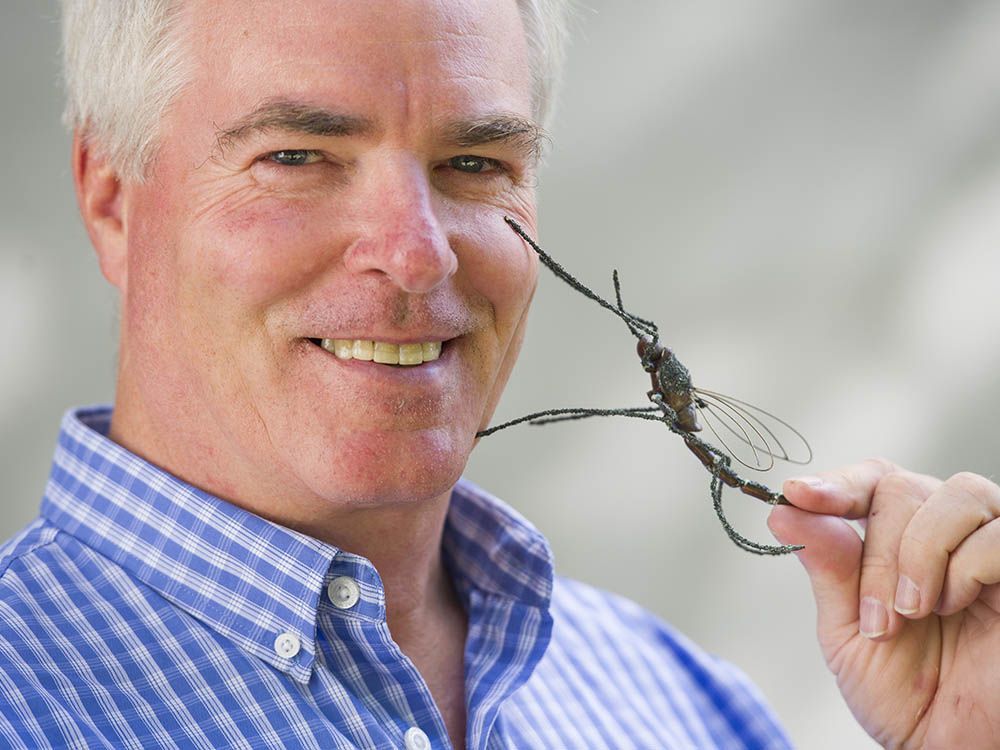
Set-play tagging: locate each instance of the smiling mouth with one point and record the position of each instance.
(382, 352)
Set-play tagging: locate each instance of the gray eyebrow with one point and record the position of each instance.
(508, 129)
(296, 118)
(512, 130)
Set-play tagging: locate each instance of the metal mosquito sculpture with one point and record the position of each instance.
(677, 403)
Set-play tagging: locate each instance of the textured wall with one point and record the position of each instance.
(802, 194)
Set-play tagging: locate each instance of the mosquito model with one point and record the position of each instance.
(676, 402)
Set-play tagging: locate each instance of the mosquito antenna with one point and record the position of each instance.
(566, 276)
(646, 326)
(636, 326)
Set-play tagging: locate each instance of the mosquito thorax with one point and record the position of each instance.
(674, 377)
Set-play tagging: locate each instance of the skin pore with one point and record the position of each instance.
(332, 170)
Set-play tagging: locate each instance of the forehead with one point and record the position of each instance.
(397, 57)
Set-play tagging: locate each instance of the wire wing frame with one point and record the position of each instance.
(752, 436)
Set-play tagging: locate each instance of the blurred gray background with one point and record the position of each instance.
(804, 195)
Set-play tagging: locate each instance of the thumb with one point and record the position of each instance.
(832, 559)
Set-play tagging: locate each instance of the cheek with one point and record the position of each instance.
(503, 271)
(259, 252)
(195, 247)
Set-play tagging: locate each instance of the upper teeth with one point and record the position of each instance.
(382, 352)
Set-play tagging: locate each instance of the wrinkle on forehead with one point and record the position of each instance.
(432, 63)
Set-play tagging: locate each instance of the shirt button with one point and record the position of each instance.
(416, 739)
(287, 645)
(344, 593)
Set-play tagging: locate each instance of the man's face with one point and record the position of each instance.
(317, 180)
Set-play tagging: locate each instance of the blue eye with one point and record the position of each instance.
(295, 157)
(474, 164)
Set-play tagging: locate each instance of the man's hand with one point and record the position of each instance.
(909, 618)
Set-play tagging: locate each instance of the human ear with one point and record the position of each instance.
(100, 195)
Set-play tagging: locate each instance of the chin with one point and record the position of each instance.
(373, 470)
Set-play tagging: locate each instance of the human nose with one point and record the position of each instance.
(402, 236)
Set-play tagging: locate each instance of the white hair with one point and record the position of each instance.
(123, 65)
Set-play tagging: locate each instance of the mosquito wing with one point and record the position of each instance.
(752, 436)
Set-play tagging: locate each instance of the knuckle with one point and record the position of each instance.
(958, 566)
(970, 486)
(898, 485)
(877, 561)
(881, 463)
(915, 542)
(918, 552)
(960, 588)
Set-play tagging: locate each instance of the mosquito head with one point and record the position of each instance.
(650, 352)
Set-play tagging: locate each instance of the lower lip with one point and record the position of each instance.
(396, 373)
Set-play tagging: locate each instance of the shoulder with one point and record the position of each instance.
(37, 598)
(54, 593)
(32, 566)
(585, 611)
(32, 537)
(620, 632)
(54, 590)
(657, 684)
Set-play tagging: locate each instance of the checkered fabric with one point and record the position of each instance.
(140, 612)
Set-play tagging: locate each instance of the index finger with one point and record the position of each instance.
(845, 492)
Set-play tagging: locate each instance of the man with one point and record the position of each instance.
(302, 204)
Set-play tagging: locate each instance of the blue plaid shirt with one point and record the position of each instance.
(140, 612)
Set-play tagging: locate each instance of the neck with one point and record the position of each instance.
(402, 541)
(404, 545)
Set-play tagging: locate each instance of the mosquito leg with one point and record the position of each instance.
(762, 493)
(738, 539)
(562, 415)
(638, 412)
(671, 416)
(702, 453)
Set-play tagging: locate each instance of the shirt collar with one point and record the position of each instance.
(250, 579)
(247, 578)
(493, 549)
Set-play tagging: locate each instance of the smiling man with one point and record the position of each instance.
(267, 543)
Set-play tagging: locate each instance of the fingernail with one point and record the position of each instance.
(874, 618)
(811, 481)
(907, 596)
